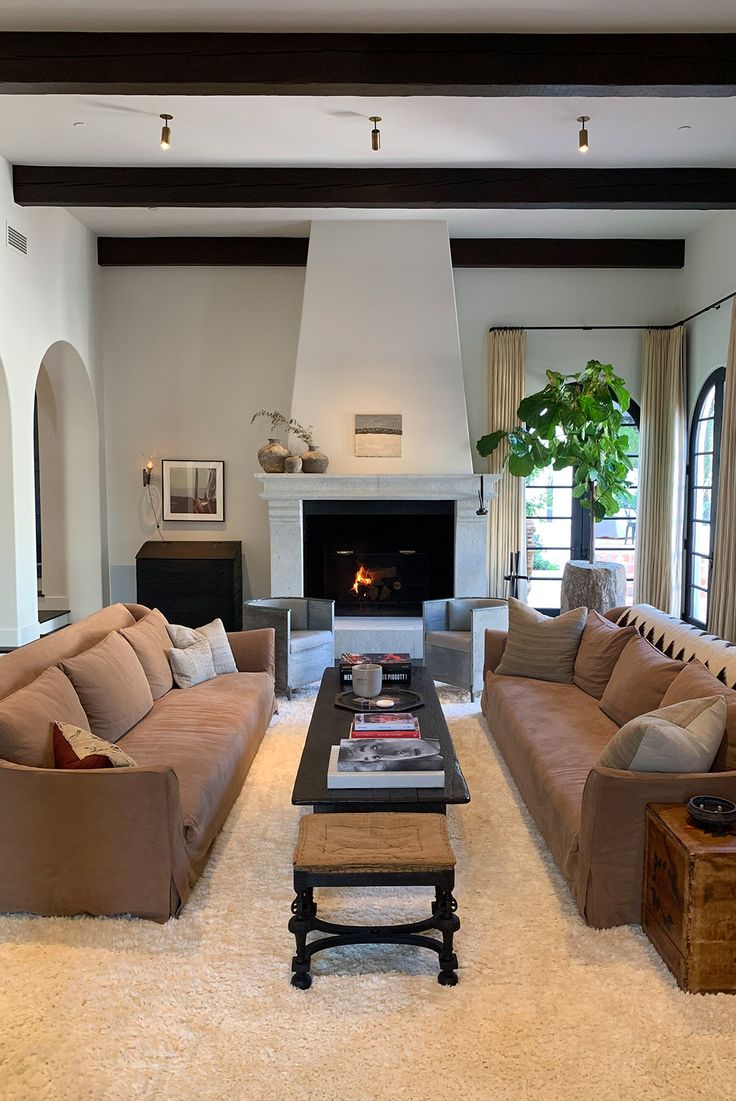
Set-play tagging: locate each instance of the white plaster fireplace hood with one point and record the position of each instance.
(379, 334)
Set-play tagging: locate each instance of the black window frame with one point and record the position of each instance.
(716, 380)
(579, 518)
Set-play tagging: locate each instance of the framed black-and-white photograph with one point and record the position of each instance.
(194, 489)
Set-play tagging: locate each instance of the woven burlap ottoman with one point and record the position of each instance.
(373, 850)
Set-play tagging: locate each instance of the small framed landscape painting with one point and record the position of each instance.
(378, 435)
(194, 489)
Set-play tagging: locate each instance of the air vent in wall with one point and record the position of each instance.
(17, 240)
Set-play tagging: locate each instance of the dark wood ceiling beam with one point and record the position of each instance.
(466, 252)
(376, 189)
(368, 64)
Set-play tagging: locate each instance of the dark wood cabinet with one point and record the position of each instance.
(192, 581)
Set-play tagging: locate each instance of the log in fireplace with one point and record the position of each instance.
(380, 557)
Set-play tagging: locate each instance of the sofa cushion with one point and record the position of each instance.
(638, 682)
(450, 640)
(309, 640)
(27, 718)
(209, 736)
(28, 662)
(541, 646)
(551, 735)
(695, 682)
(683, 737)
(112, 686)
(151, 643)
(600, 648)
(192, 665)
(75, 747)
(214, 632)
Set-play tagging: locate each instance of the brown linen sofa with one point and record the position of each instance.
(131, 840)
(592, 818)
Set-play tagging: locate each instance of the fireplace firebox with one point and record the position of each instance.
(379, 558)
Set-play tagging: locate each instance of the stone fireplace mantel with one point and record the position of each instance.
(285, 493)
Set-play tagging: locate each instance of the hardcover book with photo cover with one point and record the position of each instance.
(386, 762)
(396, 667)
(377, 722)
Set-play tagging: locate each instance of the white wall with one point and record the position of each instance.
(379, 334)
(189, 355)
(488, 297)
(45, 297)
(710, 274)
(186, 386)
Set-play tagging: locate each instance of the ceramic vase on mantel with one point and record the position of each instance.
(313, 461)
(293, 464)
(272, 456)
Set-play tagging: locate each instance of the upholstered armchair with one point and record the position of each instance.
(305, 637)
(454, 638)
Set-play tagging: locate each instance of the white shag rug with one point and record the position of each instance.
(202, 1009)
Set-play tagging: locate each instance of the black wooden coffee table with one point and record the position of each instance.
(329, 724)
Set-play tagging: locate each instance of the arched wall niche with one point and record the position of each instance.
(70, 474)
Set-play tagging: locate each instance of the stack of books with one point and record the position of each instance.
(386, 751)
(396, 667)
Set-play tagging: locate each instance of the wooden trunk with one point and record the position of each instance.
(689, 899)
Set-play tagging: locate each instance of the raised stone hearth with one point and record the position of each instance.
(285, 494)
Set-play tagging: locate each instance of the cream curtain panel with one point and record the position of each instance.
(506, 360)
(722, 598)
(661, 470)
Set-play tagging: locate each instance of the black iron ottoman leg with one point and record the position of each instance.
(303, 909)
(448, 924)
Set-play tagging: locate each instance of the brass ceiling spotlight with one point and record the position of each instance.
(583, 134)
(375, 133)
(166, 131)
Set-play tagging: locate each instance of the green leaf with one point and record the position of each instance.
(521, 466)
(486, 445)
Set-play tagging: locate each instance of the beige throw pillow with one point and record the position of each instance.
(540, 646)
(85, 744)
(192, 665)
(683, 737)
(216, 635)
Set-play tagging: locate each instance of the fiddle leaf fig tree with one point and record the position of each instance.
(575, 421)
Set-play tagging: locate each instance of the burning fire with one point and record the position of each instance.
(362, 577)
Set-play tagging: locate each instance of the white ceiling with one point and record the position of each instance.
(380, 15)
(335, 131)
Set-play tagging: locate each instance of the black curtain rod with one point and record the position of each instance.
(567, 328)
(713, 306)
(589, 328)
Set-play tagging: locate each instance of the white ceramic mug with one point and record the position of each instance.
(367, 680)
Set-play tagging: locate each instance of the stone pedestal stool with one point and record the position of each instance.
(594, 585)
(373, 850)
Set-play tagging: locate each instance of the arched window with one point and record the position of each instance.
(702, 496)
(557, 527)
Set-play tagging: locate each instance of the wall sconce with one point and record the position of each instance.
(147, 469)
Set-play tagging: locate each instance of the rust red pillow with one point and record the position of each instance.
(65, 757)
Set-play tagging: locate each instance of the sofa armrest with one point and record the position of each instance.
(321, 614)
(494, 647)
(98, 841)
(434, 615)
(611, 852)
(254, 651)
